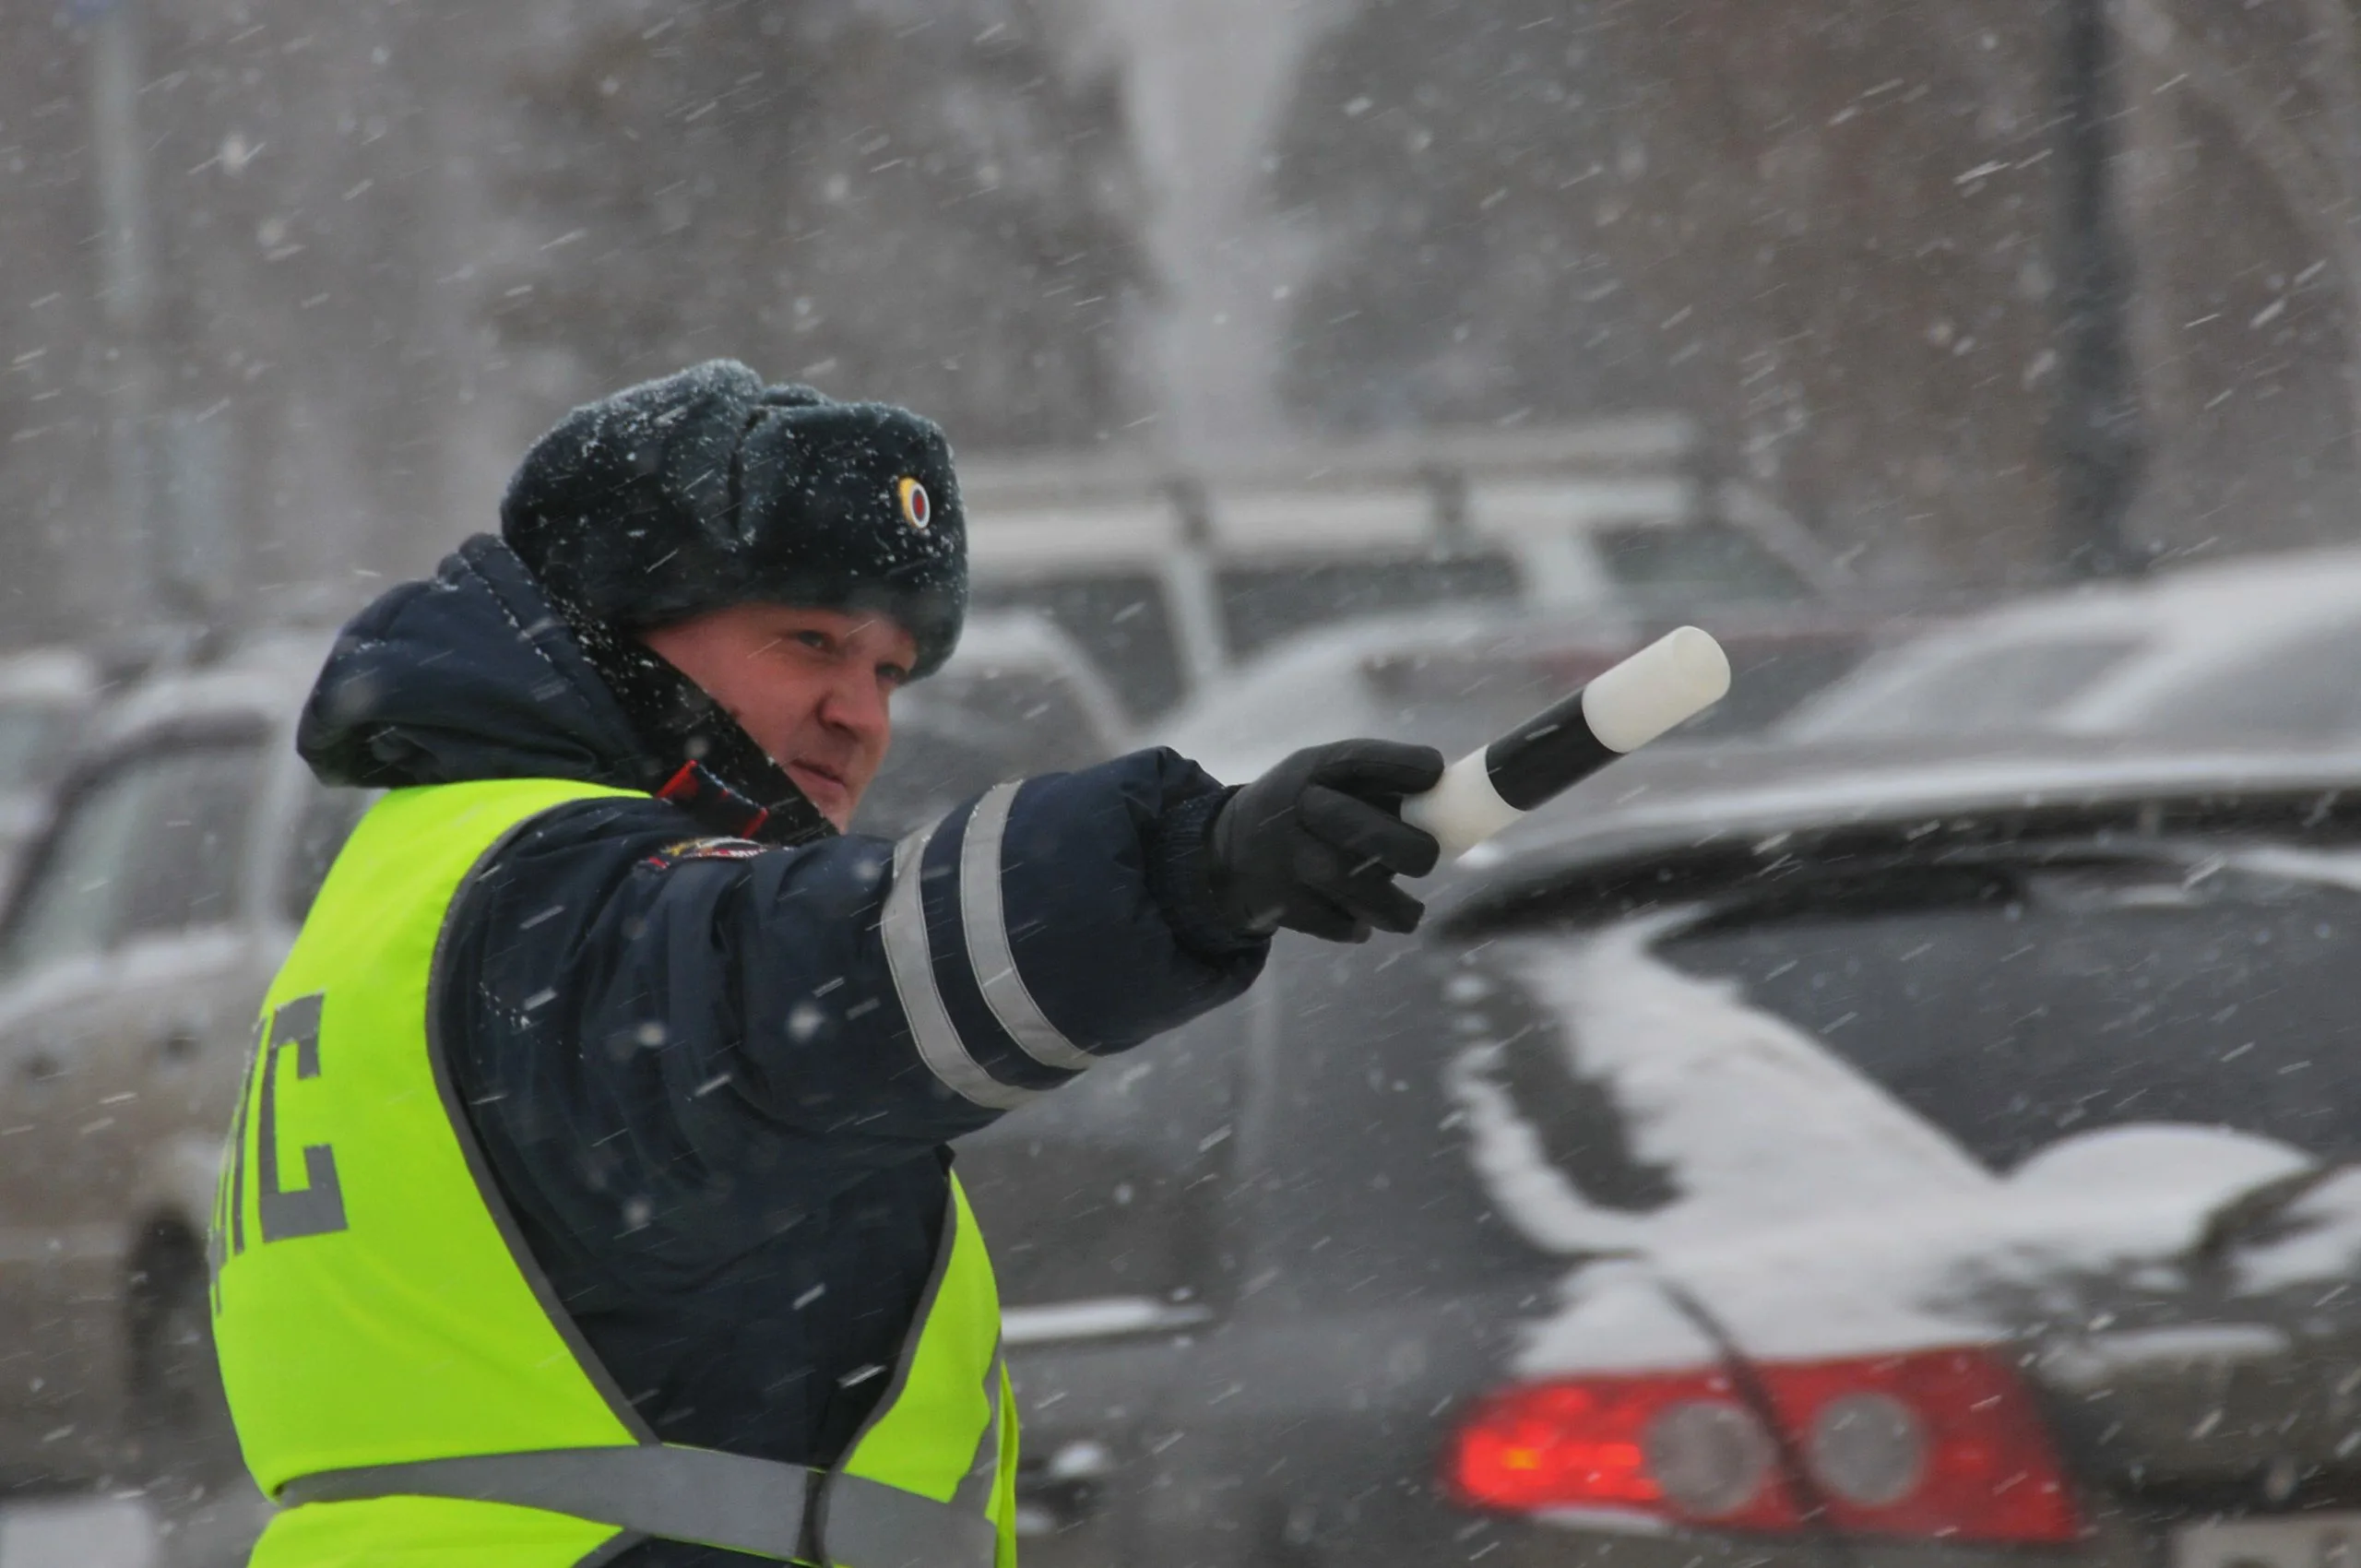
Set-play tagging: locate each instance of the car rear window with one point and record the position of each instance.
(2011, 1007)
(1265, 602)
(2306, 688)
(152, 846)
(2008, 687)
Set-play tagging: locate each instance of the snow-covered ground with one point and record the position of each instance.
(111, 1532)
(100, 1533)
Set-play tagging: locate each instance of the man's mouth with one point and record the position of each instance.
(807, 774)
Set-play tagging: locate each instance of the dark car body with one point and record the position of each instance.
(2006, 1100)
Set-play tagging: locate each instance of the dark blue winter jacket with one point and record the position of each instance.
(711, 1108)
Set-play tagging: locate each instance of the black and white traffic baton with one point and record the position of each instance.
(1675, 678)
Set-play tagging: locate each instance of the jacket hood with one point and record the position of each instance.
(470, 675)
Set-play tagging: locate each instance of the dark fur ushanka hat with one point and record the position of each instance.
(708, 488)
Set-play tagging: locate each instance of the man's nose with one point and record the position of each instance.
(857, 701)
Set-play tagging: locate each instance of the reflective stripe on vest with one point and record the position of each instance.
(383, 1334)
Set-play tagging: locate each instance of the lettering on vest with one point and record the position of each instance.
(316, 1208)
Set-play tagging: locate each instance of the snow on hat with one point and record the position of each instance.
(706, 489)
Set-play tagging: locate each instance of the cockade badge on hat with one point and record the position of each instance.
(916, 510)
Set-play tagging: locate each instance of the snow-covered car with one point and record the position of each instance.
(1760, 1157)
(2267, 649)
(1172, 578)
(1454, 679)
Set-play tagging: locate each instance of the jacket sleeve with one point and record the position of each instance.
(815, 1013)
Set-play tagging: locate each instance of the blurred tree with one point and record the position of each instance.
(2097, 432)
(52, 371)
(1831, 230)
(390, 242)
(1446, 154)
(923, 202)
(2302, 132)
(2243, 127)
(313, 409)
(1820, 226)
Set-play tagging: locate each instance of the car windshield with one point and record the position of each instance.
(1677, 564)
(36, 742)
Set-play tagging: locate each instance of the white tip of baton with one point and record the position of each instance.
(1674, 678)
(1462, 809)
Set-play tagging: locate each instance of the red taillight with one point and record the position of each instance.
(1678, 1443)
(1940, 1443)
(1986, 1472)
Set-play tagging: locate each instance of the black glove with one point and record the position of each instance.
(1315, 845)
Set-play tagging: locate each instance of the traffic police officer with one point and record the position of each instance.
(588, 1200)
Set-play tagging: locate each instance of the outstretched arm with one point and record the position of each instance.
(819, 1012)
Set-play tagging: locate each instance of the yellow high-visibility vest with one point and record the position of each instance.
(403, 1377)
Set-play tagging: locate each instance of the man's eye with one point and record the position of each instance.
(893, 674)
(818, 640)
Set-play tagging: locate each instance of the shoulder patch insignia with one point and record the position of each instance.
(705, 850)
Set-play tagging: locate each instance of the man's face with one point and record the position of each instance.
(811, 686)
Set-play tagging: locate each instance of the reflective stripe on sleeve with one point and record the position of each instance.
(984, 918)
(909, 956)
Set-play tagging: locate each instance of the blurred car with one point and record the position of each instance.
(187, 846)
(1455, 679)
(1172, 579)
(1761, 1157)
(2267, 649)
(1016, 699)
